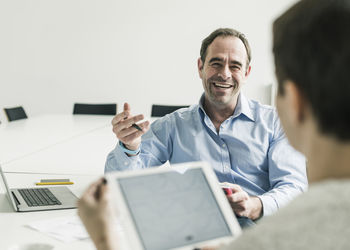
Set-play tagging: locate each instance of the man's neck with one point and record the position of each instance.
(328, 159)
(219, 113)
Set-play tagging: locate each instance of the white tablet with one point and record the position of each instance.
(180, 207)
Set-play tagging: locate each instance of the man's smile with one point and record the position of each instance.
(222, 85)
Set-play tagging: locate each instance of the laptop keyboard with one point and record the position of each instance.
(39, 197)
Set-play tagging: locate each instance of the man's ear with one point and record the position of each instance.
(296, 101)
(200, 67)
(248, 71)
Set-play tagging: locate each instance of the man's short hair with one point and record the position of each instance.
(224, 32)
(311, 46)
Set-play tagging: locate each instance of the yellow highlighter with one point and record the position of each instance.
(54, 182)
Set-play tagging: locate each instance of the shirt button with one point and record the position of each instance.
(125, 163)
(223, 145)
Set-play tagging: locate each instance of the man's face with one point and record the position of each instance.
(224, 70)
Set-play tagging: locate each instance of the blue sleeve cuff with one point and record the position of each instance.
(128, 151)
(118, 160)
(269, 205)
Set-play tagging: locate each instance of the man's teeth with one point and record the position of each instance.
(222, 85)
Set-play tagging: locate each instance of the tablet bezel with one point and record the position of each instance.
(126, 220)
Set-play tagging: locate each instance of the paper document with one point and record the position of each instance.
(66, 229)
(70, 228)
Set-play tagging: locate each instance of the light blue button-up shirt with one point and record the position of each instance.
(250, 150)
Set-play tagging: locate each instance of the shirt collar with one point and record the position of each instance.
(241, 108)
(244, 108)
(201, 102)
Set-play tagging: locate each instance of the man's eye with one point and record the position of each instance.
(235, 67)
(216, 65)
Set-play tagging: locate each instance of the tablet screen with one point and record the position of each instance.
(173, 210)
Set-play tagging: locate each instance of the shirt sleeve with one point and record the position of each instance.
(156, 148)
(287, 172)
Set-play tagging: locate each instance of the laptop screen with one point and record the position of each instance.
(2, 184)
(173, 210)
(4, 187)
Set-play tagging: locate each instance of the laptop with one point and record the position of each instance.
(178, 207)
(38, 199)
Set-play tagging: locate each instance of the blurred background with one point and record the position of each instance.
(54, 53)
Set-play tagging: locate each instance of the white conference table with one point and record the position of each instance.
(85, 154)
(50, 146)
(24, 137)
(13, 227)
(57, 144)
(82, 151)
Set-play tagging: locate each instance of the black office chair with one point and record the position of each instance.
(95, 109)
(15, 113)
(162, 110)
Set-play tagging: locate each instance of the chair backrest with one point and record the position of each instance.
(15, 113)
(95, 109)
(162, 110)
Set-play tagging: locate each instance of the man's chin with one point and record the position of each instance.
(224, 100)
(221, 101)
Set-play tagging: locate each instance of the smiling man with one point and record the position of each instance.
(241, 139)
(222, 74)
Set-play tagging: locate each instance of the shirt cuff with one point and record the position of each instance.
(128, 151)
(269, 204)
(125, 162)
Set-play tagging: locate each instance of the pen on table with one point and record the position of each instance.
(54, 183)
(136, 126)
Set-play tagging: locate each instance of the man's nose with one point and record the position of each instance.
(225, 72)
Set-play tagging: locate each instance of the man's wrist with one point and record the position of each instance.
(257, 210)
(128, 151)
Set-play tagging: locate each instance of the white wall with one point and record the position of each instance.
(57, 52)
